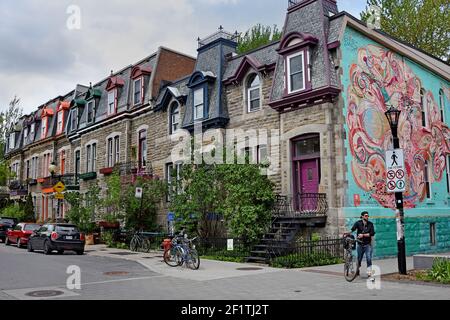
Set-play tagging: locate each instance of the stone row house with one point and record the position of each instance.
(312, 104)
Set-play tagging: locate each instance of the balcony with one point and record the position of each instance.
(17, 189)
(301, 205)
(16, 185)
(131, 171)
(71, 181)
(88, 176)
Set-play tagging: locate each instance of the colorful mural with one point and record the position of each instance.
(378, 80)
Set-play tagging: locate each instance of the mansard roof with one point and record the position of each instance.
(177, 90)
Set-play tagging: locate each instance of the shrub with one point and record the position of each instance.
(305, 260)
(440, 271)
(14, 211)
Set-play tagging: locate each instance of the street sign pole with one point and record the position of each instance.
(401, 246)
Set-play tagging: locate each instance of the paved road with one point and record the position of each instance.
(22, 272)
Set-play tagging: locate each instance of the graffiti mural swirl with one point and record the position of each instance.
(378, 80)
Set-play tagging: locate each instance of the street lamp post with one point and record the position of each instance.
(393, 116)
(52, 169)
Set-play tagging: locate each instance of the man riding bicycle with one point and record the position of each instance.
(365, 232)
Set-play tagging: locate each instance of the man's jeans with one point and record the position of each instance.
(367, 250)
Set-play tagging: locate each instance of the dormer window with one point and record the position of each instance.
(12, 140)
(174, 117)
(60, 122)
(199, 104)
(137, 91)
(32, 129)
(296, 72)
(74, 120)
(25, 134)
(44, 128)
(90, 111)
(253, 93)
(111, 102)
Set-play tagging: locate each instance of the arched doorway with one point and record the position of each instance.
(306, 171)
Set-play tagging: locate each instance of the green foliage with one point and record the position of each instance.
(256, 37)
(83, 208)
(108, 238)
(440, 272)
(238, 192)
(422, 23)
(305, 260)
(123, 206)
(14, 211)
(28, 209)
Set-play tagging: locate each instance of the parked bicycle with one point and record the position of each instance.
(182, 251)
(140, 243)
(351, 266)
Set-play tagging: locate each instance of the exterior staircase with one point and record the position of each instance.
(287, 223)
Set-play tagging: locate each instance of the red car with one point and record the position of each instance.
(20, 234)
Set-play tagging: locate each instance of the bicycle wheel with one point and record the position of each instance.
(193, 260)
(350, 267)
(172, 257)
(134, 244)
(146, 245)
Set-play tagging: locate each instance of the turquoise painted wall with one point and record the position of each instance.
(373, 77)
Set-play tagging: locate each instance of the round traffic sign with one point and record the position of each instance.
(400, 184)
(400, 174)
(391, 185)
(391, 174)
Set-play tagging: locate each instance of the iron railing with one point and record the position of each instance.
(134, 167)
(302, 204)
(309, 252)
(217, 35)
(17, 185)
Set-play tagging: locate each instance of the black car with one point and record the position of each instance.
(5, 225)
(57, 236)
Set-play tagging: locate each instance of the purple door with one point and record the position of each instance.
(306, 182)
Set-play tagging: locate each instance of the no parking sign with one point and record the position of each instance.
(396, 174)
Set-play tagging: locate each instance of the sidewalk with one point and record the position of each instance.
(209, 269)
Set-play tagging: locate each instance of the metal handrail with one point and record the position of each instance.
(302, 204)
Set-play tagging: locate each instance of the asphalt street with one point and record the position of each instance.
(108, 276)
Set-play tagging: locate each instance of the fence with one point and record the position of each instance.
(307, 253)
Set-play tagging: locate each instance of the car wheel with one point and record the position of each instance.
(47, 249)
(7, 243)
(29, 247)
(80, 252)
(19, 245)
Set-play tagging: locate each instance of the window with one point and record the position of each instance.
(25, 134)
(60, 122)
(173, 177)
(94, 157)
(117, 150)
(12, 140)
(77, 164)
(198, 104)
(74, 119)
(426, 175)
(28, 169)
(263, 156)
(44, 128)
(174, 117)
(306, 147)
(90, 111)
(433, 233)
(32, 127)
(46, 164)
(63, 162)
(253, 93)
(34, 167)
(424, 109)
(137, 96)
(88, 158)
(110, 152)
(111, 102)
(142, 149)
(442, 104)
(296, 74)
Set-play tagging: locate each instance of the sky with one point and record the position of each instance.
(47, 47)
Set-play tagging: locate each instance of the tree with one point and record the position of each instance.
(237, 192)
(423, 23)
(256, 37)
(28, 209)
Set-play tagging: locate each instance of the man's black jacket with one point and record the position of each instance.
(363, 229)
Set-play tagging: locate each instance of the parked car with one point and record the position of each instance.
(57, 236)
(20, 234)
(5, 225)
